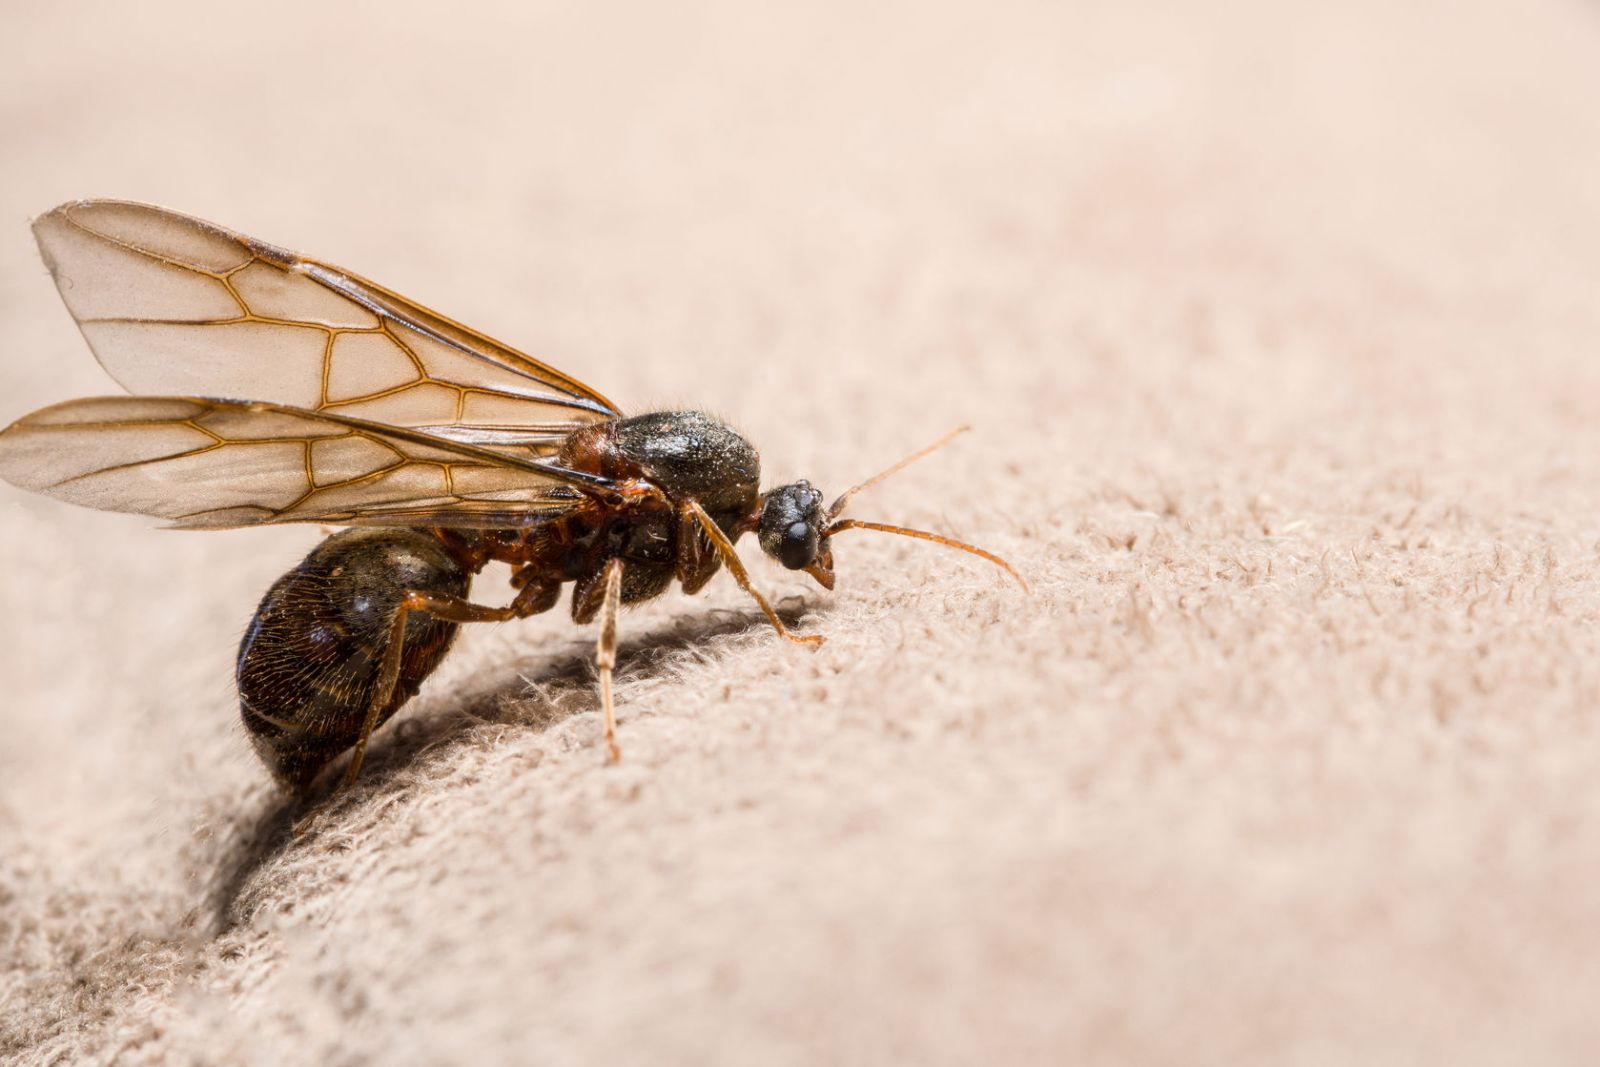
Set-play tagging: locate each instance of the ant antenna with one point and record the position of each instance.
(922, 535)
(842, 525)
(844, 497)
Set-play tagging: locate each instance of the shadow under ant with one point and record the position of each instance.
(564, 689)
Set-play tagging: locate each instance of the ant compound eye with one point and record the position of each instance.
(799, 546)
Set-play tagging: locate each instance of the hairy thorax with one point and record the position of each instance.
(686, 455)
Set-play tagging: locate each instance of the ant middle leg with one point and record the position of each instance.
(606, 652)
(601, 595)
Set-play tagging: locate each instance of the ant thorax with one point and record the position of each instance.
(687, 454)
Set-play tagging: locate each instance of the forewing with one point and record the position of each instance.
(213, 464)
(172, 305)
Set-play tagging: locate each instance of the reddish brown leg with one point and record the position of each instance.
(606, 652)
(731, 560)
(532, 599)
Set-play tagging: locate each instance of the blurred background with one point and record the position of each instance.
(1277, 326)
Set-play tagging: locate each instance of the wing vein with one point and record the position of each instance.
(134, 276)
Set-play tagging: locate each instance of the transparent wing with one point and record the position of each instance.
(212, 463)
(172, 305)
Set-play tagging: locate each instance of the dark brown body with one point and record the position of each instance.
(310, 661)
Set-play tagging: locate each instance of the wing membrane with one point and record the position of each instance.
(174, 305)
(205, 464)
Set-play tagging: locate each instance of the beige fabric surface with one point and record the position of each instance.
(1278, 329)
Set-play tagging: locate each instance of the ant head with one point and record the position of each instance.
(793, 530)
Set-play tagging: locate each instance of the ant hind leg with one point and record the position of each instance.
(533, 598)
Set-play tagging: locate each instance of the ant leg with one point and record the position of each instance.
(530, 600)
(697, 560)
(724, 549)
(606, 651)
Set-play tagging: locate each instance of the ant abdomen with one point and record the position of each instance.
(309, 663)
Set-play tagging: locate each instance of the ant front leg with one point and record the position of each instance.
(730, 558)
